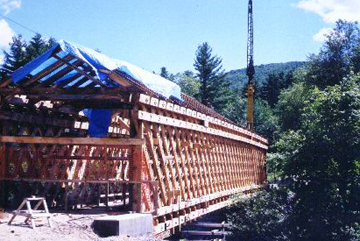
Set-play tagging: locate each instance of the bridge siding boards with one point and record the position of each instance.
(201, 164)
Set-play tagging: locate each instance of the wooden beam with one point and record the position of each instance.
(120, 80)
(46, 71)
(69, 80)
(160, 119)
(79, 71)
(211, 225)
(72, 141)
(63, 97)
(61, 73)
(36, 119)
(6, 82)
(50, 90)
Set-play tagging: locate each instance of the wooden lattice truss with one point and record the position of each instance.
(176, 160)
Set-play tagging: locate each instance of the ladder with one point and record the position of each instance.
(32, 213)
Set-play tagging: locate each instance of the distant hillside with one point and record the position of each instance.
(238, 77)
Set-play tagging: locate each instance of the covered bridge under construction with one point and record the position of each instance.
(80, 128)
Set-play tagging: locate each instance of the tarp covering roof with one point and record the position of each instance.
(100, 63)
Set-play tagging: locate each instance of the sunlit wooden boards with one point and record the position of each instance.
(159, 119)
(212, 159)
(152, 101)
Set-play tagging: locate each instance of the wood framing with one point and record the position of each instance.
(177, 160)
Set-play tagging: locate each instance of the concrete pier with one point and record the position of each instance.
(133, 225)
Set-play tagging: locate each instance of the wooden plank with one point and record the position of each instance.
(194, 180)
(120, 80)
(154, 102)
(143, 115)
(156, 162)
(235, 157)
(164, 145)
(35, 119)
(211, 225)
(177, 161)
(197, 161)
(237, 164)
(45, 72)
(79, 70)
(210, 163)
(201, 116)
(206, 163)
(6, 82)
(72, 141)
(59, 74)
(169, 181)
(205, 233)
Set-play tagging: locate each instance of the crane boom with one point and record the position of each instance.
(250, 45)
(250, 70)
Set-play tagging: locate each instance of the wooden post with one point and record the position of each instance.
(136, 175)
(156, 198)
(107, 195)
(3, 165)
(107, 179)
(3, 174)
(137, 162)
(66, 196)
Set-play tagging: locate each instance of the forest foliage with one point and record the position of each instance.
(21, 52)
(315, 152)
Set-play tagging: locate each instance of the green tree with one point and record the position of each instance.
(188, 83)
(290, 105)
(318, 153)
(339, 54)
(270, 89)
(272, 86)
(16, 57)
(266, 122)
(215, 91)
(22, 52)
(237, 109)
(323, 160)
(261, 218)
(164, 73)
(36, 46)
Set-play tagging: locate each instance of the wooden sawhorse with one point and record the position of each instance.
(30, 213)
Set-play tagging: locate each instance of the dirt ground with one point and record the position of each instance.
(66, 227)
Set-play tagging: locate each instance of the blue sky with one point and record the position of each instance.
(156, 33)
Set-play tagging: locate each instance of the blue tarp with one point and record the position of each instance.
(99, 119)
(97, 61)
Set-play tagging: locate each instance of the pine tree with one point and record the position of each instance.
(270, 90)
(16, 57)
(215, 91)
(36, 46)
(21, 53)
(164, 73)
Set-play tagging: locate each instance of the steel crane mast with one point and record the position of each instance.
(250, 70)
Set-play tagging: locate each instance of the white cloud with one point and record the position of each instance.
(8, 5)
(321, 35)
(333, 10)
(6, 34)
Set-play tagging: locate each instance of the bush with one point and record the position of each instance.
(263, 217)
